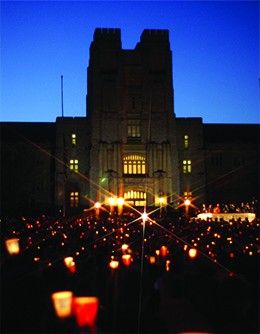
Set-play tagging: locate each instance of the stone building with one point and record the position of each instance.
(133, 126)
(129, 145)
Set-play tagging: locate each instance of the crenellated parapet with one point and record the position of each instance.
(111, 35)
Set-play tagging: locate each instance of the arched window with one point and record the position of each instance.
(134, 164)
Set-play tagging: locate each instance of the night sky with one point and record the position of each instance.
(215, 50)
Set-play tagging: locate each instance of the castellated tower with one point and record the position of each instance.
(133, 127)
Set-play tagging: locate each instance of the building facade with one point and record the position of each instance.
(129, 145)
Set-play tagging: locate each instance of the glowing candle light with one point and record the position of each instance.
(62, 302)
(113, 264)
(164, 250)
(168, 262)
(68, 261)
(193, 253)
(86, 310)
(126, 259)
(12, 246)
(124, 247)
(152, 259)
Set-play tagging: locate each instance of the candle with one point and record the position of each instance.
(12, 246)
(62, 301)
(126, 259)
(86, 309)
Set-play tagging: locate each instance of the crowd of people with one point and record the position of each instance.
(247, 207)
(162, 290)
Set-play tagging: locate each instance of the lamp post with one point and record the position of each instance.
(97, 209)
(161, 201)
(187, 203)
(112, 203)
(120, 203)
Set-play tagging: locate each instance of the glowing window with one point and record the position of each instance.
(74, 199)
(186, 141)
(134, 164)
(73, 139)
(186, 165)
(135, 195)
(133, 128)
(136, 198)
(74, 165)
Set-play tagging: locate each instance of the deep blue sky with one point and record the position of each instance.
(215, 48)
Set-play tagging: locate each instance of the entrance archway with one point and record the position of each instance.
(135, 197)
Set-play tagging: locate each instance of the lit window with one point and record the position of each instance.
(74, 165)
(186, 141)
(136, 198)
(74, 199)
(73, 139)
(133, 128)
(186, 164)
(134, 164)
(187, 194)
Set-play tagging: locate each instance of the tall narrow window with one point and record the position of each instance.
(134, 164)
(133, 128)
(74, 165)
(186, 166)
(186, 141)
(74, 199)
(73, 139)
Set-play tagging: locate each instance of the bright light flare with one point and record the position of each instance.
(124, 247)
(193, 253)
(113, 264)
(187, 202)
(120, 201)
(112, 201)
(144, 217)
(97, 205)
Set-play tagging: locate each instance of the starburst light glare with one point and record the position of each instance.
(187, 202)
(120, 201)
(144, 217)
(97, 205)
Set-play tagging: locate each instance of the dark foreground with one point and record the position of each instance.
(216, 292)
